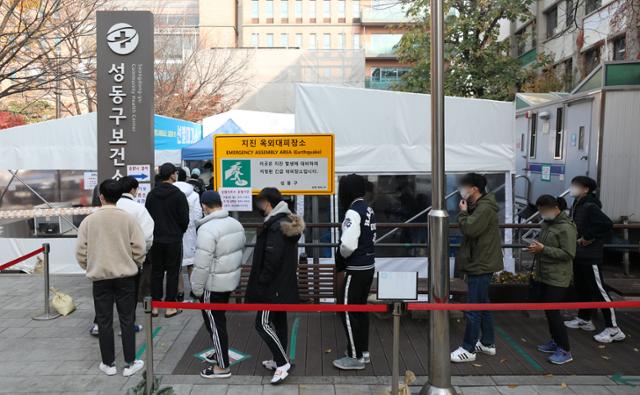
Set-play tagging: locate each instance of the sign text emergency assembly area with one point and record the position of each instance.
(296, 164)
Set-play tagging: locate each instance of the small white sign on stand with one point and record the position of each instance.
(236, 199)
(398, 286)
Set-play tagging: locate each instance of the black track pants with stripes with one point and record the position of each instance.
(590, 288)
(357, 284)
(272, 328)
(215, 321)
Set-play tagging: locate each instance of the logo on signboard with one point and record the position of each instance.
(122, 38)
(236, 173)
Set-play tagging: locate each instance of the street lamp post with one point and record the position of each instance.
(439, 365)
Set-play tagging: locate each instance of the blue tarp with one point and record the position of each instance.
(203, 149)
(174, 134)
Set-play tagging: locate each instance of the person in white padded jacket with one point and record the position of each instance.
(216, 273)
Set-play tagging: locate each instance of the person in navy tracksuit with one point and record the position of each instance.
(356, 257)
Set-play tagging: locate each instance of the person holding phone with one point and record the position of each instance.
(553, 269)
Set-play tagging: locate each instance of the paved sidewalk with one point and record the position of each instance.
(59, 357)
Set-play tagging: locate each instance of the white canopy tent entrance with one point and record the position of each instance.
(384, 134)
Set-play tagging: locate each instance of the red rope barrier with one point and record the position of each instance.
(22, 258)
(627, 304)
(381, 308)
(371, 308)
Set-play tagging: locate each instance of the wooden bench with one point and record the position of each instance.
(315, 282)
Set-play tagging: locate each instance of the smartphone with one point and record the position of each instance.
(528, 241)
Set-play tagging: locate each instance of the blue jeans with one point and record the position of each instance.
(479, 323)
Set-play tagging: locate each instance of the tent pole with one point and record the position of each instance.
(439, 364)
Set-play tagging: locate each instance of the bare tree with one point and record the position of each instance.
(204, 82)
(35, 37)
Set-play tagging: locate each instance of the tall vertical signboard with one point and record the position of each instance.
(125, 95)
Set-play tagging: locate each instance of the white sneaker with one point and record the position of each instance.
(579, 323)
(281, 374)
(133, 368)
(270, 365)
(462, 355)
(489, 350)
(108, 370)
(610, 335)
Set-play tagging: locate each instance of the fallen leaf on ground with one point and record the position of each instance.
(636, 350)
(605, 357)
(601, 346)
(477, 365)
(503, 360)
(563, 385)
(523, 339)
(548, 375)
(328, 350)
(512, 386)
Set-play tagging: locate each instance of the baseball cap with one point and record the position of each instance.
(195, 172)
(211, 198)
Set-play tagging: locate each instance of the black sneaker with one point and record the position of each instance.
(180, 297)
(211, 373)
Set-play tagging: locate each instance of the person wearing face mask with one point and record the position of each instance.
(479, 256)
(553, 268)
(594, 228)
(273, 278)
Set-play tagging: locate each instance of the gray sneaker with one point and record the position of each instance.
(347, 363)
(366, 357)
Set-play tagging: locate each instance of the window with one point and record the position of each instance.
(522, 142)
(299, 10)
(299, 40)
(383, 44)
(255, 40)
(532, 136)
(341, 41)
(591, 5)
(388, 74)
(313, 41)
(567, 77)
(557, 152)
(341, 11)
(326, 41)
(356, 41)
(326, 10)
(355, 10)
(269, 9)
(255, 9)
(312, 10)
(284, 40)
(270, 40)
(521, 42)
(619, 48)
(552, 21)
(569, 13)
(581, 138)
(284, 9)
(591, 59)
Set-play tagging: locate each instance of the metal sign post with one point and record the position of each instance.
(439, 363)
(149, 382)
(395, 360)
(47, 308)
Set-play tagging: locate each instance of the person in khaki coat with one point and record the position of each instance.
(480, 256)
(111, 248)
(553, 268)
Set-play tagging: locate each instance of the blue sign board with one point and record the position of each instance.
(174, 134)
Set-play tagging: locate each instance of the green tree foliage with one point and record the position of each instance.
(476, 63)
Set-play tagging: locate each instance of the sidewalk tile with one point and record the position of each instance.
(479, 391)
(624, 389)
(517, 390)
(345, 389)
(321, 389)
(244, 390)
(590, 390)
(552, 389)
(281, 389)
(214, 389)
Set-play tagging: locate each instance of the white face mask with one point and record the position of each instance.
(548, 217)
(575, 191)
(465, 193)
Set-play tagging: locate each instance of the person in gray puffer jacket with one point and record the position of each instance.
(216, 274)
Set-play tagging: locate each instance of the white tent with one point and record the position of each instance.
(60, 144)
(251, 122)
(388, 132)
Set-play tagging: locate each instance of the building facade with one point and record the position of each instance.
(375, 26)
(577, 34)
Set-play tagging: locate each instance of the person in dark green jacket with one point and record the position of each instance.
(479, 256)
(553, 269)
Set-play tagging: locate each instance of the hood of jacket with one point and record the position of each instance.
(222, 213)
(165, 190)
(489, 200)
(185, 187)
(589, 198)
(292, 228)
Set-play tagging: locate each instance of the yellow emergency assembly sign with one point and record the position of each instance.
(296, 164)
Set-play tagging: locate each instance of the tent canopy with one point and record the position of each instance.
(203, 149)
(60, 144)
(251, 122)
(389, 132)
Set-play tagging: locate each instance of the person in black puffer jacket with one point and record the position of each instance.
(594, 228)
(273, 277)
